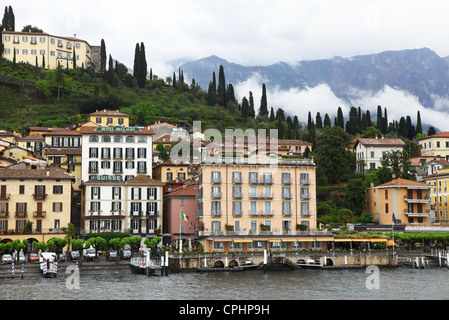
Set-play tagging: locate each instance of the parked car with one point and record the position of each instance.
(73, 256)
(111, 255)
(89, 254)
(33, 257)
(22, 257)
(61, 257)
(125, 254)
(7, 258)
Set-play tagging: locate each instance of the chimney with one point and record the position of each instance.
(393, 176)
(371, 184)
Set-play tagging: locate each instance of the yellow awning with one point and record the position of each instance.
(342, 240)
(242, 240)
(361, 240)
(275, 240)
(308, 239)
(324, 239)
(289, 239)
(378, 240)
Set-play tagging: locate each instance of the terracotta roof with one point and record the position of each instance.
(438, 135)
(144, 179)
(92, 130)
(33, 137)
(63, 151)
(62, 132)
(188, 191)
(380, 142)
(11, 173)
(403, 182)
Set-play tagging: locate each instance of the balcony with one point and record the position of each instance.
(5, 196)
(39, 196)
(286, 195)
(266, 195)
(411, 199)
(286, 181)
(216, 212)
(237, 195)
(237, 180)
(305, 181)
(237, 212)
(152, 213)
(216, 179)
(266, 212)
(286, 212)
(39, 214)
(216, 195)
(21, 214)
(305, 196)
(4, 214)
(267, 180)
(253, 181)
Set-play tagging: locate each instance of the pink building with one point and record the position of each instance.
(180, 200)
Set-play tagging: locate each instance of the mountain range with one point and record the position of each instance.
(419, 72)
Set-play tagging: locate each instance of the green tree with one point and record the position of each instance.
(418, 124)
(398, 162)
(163, 153)
(152, 243)
(97, 243)
(340, 119)
(245, 108)
(251, 110)
(221, 90)
(18, 245)
(345, 215)
(263, 110)
(78, 245)
(103, 58)
(355, 195)
(60, 243)
(211, 96)
(334, 159)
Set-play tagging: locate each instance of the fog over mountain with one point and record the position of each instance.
(402, 81)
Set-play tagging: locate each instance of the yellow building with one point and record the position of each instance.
(63, 149)
(34, 194)
(169, 171)
(439, 195)
(436, 145)
(408, 200)
(108, 118)
(253, 206)
(54, 50)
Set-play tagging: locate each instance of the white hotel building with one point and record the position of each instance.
(119, 194)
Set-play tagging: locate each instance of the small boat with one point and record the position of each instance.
(145, 263)
(248, 265)
(48, 264)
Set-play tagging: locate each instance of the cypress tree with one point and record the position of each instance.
(272, 117)
(74, 58)
(418, 124)
(221, 91)
(103, 58)
(251, 110)
(230, 95)
(340, 120)
(263, 110)
(136, 61)
(211, 96)
(327, 121)
(379, 118)
(110, 74)
(143, 67)
(245, 108)
(318, 121)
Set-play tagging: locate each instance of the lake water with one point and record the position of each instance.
(302, 284)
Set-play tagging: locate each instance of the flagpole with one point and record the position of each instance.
(180, 230)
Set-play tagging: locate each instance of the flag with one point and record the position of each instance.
(394, 218)
(184, 216)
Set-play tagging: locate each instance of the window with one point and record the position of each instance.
(286, 177)
(98, 120)
(141, 167)
(253, 177)
(105, 165)
(118, 139)
(57, 189)
(129, 153)
(109, 121)
(117, 166)
(236, 177)
(93, 152)
(130, 139)
(93, 166)
(57, 206)
(141, 152)
(93, 139)
(106, 153)
(181, 202)
(106, 139)
(129, 164)
(22, 189)
(142, 139)
(95, 206)
(118, 153)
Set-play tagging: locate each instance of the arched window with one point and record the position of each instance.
(105, 139)
(130, 139)
(118, 139)
(93, 139)
(142, 139)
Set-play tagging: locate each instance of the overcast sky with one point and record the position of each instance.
(248, 32)
(253, 32)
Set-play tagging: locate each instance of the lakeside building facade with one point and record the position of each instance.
(35, 202)
(408, 200)
(436, 145)
(29, 47)
(370, 152)
(113, 158)
(252, 206)
(439, 196)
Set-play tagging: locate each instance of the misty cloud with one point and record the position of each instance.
(322, 99)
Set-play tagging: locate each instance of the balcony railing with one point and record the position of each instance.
(5, 196)
(21, 214)
(216, 195)
(216, 179)
(216, 212)
(39, 196)
(39, 214)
